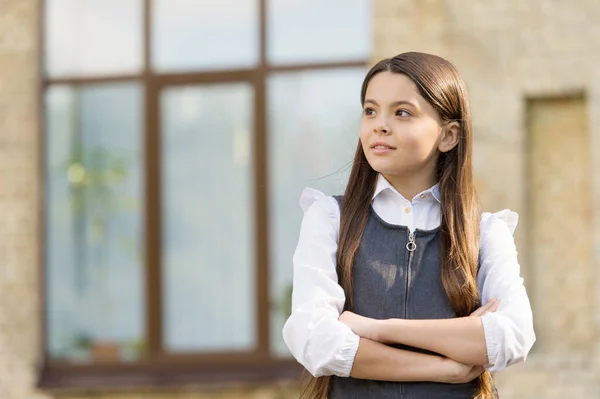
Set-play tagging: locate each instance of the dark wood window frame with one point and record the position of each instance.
(156, 367)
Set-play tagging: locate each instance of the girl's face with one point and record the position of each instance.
(400, 132)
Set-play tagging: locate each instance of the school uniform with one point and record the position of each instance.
(397, 275)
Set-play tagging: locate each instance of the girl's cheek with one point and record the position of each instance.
(364, 132)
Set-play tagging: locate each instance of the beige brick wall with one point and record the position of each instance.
(19, 191)
(570, 185)
(509, 51)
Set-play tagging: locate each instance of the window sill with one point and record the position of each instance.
(111, 377)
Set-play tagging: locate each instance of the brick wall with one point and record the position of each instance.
(19, 191)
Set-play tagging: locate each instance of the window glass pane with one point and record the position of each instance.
(313, 132)
(92, 37)
(208, 218)
(94, 210)
(205, 34)
(318, 30)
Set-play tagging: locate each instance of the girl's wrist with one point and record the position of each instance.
(378, 329)
(381, 330)
(387, 328)
(446, 370)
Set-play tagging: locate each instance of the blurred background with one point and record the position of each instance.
(152, 154)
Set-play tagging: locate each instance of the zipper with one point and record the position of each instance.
(410, 247)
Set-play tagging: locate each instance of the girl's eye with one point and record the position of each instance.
(402, 113)
(369, 111)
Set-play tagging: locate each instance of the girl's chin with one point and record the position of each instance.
(391, 170)
(385, 166)
(387, 171)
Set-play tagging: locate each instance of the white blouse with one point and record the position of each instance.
(325, 346)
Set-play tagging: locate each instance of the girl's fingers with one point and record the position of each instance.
(495, 305)
(491, 306)
(481, 310)
(474, 373)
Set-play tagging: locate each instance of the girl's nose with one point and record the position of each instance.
(381, 128)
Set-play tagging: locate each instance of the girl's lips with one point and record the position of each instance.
(382, 144)
(381, 150)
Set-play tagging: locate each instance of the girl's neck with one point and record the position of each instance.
(410, 186)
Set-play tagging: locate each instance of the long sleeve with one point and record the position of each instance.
(509, 331)
(313, 333)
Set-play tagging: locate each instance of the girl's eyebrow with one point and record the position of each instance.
(394, 104)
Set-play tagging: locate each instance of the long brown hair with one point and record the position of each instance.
(440, 84)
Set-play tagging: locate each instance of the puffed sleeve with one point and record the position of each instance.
(509, 333)
(313, 333)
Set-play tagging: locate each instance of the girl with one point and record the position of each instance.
(390, 278)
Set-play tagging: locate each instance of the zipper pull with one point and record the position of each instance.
(411, 245)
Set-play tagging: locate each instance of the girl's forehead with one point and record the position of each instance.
(387, 86)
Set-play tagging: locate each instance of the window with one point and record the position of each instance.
(179, 135)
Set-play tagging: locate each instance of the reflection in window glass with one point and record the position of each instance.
(94, 210)
(313, 132)
(205, 34)
(91, 37)
(318, 30)
(209, 294)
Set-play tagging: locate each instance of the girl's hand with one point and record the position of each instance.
(459, 373)
(361, 325)
(491, 306)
